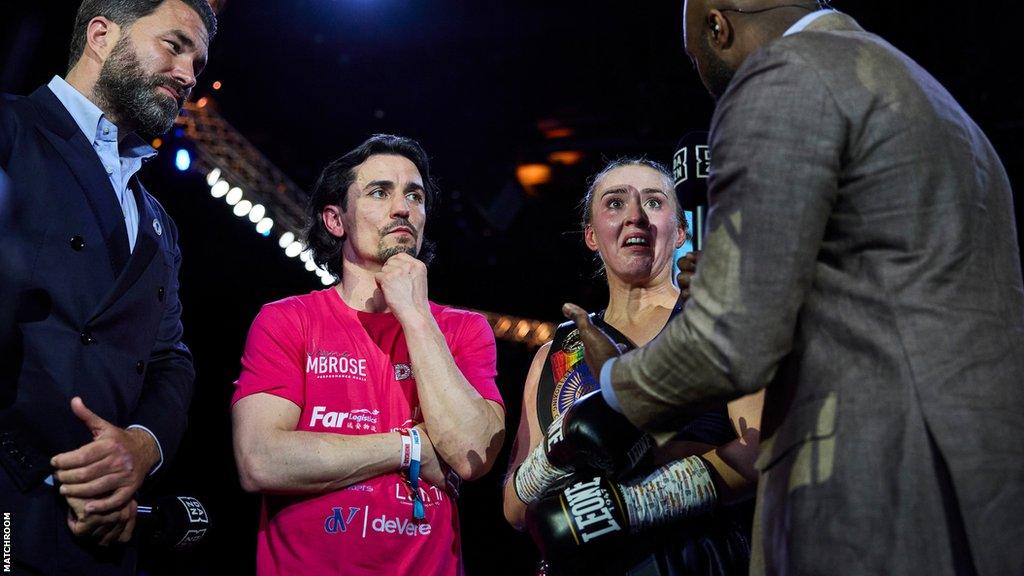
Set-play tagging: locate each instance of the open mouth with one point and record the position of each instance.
(641, 241)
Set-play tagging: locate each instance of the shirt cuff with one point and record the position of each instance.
(159, 449)
(606, 386)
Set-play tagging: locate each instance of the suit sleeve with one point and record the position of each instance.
(167, 388)
(776, 142)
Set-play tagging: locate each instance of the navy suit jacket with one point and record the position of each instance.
(102, 322)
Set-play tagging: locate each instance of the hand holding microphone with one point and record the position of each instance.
(172, 522)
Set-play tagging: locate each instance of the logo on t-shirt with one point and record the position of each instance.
(341, 520)
(361, 419)
(403, 372)
(330, 364)
(429, 495)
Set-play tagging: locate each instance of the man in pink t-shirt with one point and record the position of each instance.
(333, 381)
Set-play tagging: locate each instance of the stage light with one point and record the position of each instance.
(531, 175)
(217, 85)
(293, 249)
(213, 177)
(234, 195)
(522, 329)
(264, 226)
(202, 102)
(286, 239)
(220, 189)
(566, 157)
(157, 143)
(242, 208)
(182, 160)
(257, 213)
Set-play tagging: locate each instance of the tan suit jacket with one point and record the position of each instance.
(862, 264)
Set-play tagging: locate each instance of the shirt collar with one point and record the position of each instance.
(806, 21)
(94, 124)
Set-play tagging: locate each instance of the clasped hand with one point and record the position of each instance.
(99, 480)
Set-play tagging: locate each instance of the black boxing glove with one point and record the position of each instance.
(591, 512)
(596, 436)
(590, 434)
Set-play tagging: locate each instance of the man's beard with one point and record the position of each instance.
(717, 74)
(386, 252)
(131, 96)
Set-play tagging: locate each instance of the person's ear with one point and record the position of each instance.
(720, 30)
(588, 238)
(101, 35)
(331, 217)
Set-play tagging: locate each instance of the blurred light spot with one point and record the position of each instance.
(257, 213)
(234, 195)
(566, 157)
(286, 239)
(242, 208)
(220, 189)
(182, 160)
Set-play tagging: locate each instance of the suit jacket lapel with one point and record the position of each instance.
(147, 246)
(76, 151)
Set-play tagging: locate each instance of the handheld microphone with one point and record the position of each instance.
(690, 166)
(172, 522)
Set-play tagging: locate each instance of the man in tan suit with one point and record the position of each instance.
(861, 264)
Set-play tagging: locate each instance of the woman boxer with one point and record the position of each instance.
(632, 220)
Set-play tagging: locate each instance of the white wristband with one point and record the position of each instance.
(406, 451)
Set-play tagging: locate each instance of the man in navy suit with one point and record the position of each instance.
(103, 382)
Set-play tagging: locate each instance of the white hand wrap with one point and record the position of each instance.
(678, 490)
(535, 476)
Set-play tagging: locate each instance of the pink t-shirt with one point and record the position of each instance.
(349, 372)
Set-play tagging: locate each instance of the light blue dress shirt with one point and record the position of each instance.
(606, 371)
(120, 160)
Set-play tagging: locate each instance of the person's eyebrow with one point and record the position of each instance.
(616, 190)
(184, 38)
(385, 184)
(190, 45)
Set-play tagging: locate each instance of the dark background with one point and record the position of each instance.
(485, 87)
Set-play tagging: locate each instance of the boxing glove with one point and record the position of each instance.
(596, 436)
(590, 434)
(590, 512)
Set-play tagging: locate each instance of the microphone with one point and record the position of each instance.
(690, 166)
(172, 522)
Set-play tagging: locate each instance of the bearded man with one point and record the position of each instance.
(103, 380)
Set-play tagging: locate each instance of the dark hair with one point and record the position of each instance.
(588, 198)
(332, 189)
(124, 13)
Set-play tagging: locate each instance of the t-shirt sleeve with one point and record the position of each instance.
(273, 360)
(476, 356)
